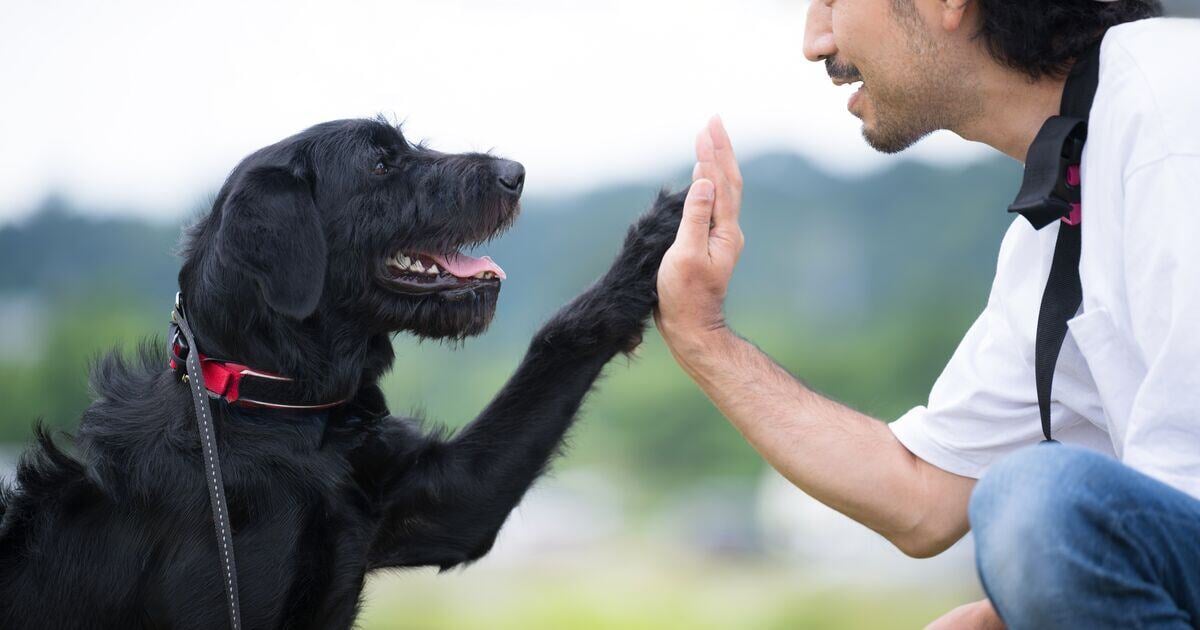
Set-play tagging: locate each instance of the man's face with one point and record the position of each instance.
(911, 85)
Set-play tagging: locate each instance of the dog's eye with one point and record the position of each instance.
(381, 168)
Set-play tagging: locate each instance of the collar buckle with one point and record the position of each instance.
(231, 381)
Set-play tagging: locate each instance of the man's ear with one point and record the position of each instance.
(270, 230)
(953, 12)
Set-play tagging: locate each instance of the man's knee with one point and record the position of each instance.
(1026, 514)
(1048, 476)
(1015, 504)
(1028, 482)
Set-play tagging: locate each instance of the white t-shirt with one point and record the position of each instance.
(1128, 379)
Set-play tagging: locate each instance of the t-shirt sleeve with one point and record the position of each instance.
(1162, 276)
(980, 408)
(984, 404)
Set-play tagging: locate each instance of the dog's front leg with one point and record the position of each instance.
(453, 501)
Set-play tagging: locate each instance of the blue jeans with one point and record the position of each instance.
(1067, 538)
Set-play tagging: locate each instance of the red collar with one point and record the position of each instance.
(225, 380)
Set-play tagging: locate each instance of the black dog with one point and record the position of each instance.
(317, 249)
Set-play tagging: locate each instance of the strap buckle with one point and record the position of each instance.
(1049, 192)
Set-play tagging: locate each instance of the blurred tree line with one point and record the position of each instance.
(1182, 8)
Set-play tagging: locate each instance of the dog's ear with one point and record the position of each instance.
(271, 231)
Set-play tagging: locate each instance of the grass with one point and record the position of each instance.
(641, 592)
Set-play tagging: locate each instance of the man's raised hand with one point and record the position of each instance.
(696, 270)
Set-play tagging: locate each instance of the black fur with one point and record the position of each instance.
(285, 274)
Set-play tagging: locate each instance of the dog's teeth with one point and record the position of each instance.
(404, 261)
(418, 267)
(433, 270)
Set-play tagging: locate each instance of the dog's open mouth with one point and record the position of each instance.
(410, 272)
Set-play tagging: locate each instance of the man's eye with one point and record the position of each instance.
(381, 168)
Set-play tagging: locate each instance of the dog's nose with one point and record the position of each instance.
(511, 176)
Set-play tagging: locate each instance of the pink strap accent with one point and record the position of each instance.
(1074, 179)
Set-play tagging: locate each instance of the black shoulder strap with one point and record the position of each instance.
(1049, 194)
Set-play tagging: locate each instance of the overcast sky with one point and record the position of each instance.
(144, 105)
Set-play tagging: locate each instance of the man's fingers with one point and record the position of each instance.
(725, 210)
(697, 216)
(705, 150)
(723, 150)
(718, 165)
(731, 176)
(709, 171)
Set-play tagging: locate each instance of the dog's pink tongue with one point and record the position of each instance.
(463, 266)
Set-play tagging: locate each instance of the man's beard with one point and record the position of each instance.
(900, 120)
(904, 115)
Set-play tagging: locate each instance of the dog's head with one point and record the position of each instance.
(350, 222)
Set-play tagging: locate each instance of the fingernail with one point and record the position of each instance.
(704, 190)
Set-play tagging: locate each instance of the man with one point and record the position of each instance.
(1100, 531)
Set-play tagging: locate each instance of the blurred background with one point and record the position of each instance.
(120, 120)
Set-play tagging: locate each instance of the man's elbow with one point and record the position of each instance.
(936, 515)
(922, 543)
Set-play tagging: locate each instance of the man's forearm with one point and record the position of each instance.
(842, 458)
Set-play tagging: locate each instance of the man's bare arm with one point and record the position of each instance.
(845, 459)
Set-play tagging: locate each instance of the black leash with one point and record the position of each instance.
(1051, 191)
(212, 464)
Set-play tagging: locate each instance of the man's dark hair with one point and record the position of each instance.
(1043, 37)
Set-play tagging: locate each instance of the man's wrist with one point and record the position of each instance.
(690, 344)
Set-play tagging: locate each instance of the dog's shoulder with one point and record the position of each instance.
(48, 482)
(365, 424)
(135, 433)
(379, 449)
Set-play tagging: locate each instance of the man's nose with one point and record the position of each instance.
(818, 31)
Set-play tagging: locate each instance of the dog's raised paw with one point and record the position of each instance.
(616, 309)
(661, 222)
(654, 232)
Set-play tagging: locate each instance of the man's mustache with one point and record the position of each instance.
(839, 71)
